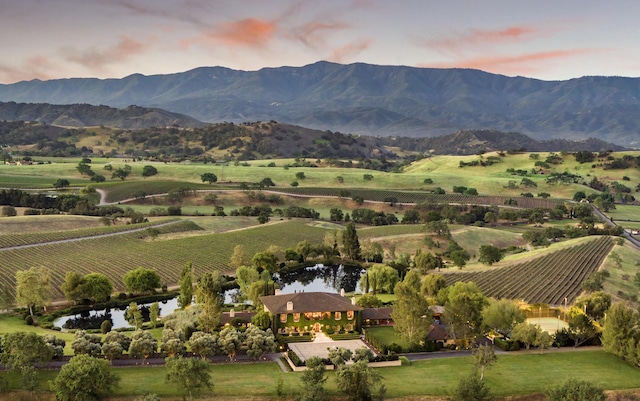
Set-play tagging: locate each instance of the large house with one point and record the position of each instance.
(306, 312)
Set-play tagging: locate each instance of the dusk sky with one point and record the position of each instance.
(546, 39)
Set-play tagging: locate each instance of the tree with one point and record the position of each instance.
(96, 287)
(411, 309)
(582, 329)
(148, 171)
(230, 341)
(425, 261)
(339, 356)
(380, 277)
(20, 351)
(154, 314)
(258, 342)
(211, 295)
(471, 388)
(186, 286)
(84, 378)
(543, 340)
(457, 254)
(120, 173)
(172, 342)
(369, 301)
(526, 333)
(484, 356)
(204, 344)
(489, 254)
(32, 287)
(133, 315)
(9, 211)
(439, 228)
(61, 183)
(312, 381)
(502, 315)
(143, 345)
(141, 280)
(85, 343)
(209, 177)
(595, 304)
(191, 375)
(432, 284)
(71, 286)
(359, 382)
(350, 242)
(620, 326)
(463, 310)
(238, 257)
(576, 390)
(265, 260)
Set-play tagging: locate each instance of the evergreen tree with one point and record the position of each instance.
(350, 242)
(186, 286)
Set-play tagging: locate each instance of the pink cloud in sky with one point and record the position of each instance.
(248, 32)
(471, 39)
(96, 59)
(512, 65)
(343, 53)
(37, 67)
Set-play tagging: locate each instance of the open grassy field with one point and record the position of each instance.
(513, 374)
(622, 263)
(443, 170)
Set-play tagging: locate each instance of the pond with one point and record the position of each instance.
(318, 278)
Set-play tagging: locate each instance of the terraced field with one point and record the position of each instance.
(546, 279)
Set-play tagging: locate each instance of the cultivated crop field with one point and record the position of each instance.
(546, 279)
(116, 255)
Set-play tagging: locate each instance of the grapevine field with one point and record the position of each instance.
(115, 255)
(546, 279)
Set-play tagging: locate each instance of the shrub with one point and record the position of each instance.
(28, 320)
(105, 326)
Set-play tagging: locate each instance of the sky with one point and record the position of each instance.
(544, 39)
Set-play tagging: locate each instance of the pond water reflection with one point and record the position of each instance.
(318, 278)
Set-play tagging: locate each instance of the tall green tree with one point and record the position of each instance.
(350, 242)
(211, 295)
(432, 284)
(463, 310)
(33, 287)
(209, 177)
(191, 375)
(96, 287)
(312, 381)
(526, 333)
(489, 254)
(259, 342)
(133, 315)
(411, 309)
(620, 327)
(148, 171)
(72, 286)
(20, 351)
(142, 345)
(359, 382)
(186, 286)
(84, 378)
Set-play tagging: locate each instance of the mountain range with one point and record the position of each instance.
(370, 99)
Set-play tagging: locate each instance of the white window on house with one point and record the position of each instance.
(283, 318)
(338, 315)
(350, 314)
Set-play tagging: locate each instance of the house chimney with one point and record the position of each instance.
(277, 291)
(353, 300)
(232, 313)
(342, 292)
(290, 305)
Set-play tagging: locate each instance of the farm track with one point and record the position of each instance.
(546, 279)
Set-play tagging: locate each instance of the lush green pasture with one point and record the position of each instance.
(443, 170)
(513, 374)
(115, 255)
(387, 335)
(471, 238)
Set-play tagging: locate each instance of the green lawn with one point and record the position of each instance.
(513, 374)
